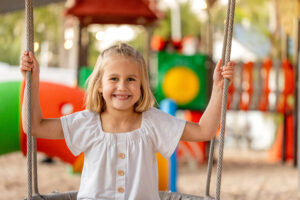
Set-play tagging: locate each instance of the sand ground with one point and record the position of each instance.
(246, 176)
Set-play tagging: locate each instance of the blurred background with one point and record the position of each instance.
(181, 41)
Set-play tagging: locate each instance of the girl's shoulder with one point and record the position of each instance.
(156, 114)
(150, 112)
(81, 115)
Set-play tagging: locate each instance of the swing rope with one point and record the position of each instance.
(226, 51)
(31, 161)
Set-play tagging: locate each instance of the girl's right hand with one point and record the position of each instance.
(29, 63)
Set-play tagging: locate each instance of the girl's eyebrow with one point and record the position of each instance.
(130, 75)
(113, 75)
(133, 75)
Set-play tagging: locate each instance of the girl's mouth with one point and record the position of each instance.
(121, 97)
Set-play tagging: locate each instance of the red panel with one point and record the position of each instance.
(247, 78)
(264, 101)
(197, 150)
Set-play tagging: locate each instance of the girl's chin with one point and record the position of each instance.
(125, 106)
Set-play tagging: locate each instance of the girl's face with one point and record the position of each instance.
(121, 84)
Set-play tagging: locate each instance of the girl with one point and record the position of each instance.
(120, 131)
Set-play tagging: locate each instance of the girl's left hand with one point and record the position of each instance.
(226, 71)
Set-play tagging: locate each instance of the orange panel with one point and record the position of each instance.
(53, 99)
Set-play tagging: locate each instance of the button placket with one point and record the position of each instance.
(121, 166)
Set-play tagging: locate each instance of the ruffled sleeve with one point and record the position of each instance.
(79, 130)
(166, 131)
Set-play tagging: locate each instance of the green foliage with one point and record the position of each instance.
(46, 28)
(190, 24)
(48, 24)
(11, 30)
(164, 26)
(93, 53)
(254, 11)
(140, 42)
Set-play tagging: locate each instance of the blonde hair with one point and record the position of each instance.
(95, 101)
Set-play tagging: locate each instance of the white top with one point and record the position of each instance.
(121, 166)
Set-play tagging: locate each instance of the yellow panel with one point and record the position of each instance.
(181, 84)
(163, 172)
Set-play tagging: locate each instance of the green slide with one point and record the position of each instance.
(9, 118)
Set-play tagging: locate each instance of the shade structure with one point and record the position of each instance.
(137, 12)
(7, 6)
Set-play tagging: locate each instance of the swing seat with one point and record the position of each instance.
(162, 194)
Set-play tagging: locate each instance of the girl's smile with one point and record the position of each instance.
(121, 97)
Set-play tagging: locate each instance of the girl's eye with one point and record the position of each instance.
(114, 79)
(131, 79)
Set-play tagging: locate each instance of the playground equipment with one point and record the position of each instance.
(9, 131)
(170, 107)
(183, 79)
(268, 87)
(56, 100)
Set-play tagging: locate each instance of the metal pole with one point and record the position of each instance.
(297, 109)
(284, 55)
(298, 130)
(296, 93)
(283, 150)
(79, 51)
(176, 21)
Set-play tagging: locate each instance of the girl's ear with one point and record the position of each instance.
(100, 90)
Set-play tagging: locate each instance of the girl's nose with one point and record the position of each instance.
(122, 85)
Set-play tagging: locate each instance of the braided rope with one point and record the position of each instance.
(29, 47)
(226, 29)
(212, 143)
(209, 167)
(229, 24)
(225, 52)
(35, 177)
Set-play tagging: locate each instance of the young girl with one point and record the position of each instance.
(120, 131)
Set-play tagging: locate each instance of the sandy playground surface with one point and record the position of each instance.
(246, 176)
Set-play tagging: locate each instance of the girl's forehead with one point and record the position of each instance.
(120, 64)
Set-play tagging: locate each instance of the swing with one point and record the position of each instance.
(164, 195)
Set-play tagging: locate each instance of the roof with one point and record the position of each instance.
(141, 12)
(254, 41)
(114, 11)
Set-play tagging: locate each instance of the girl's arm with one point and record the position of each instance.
(210, 120)
(42, 128)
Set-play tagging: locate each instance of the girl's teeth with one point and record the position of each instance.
(122, 96)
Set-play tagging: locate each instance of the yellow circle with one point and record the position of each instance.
(181, 84)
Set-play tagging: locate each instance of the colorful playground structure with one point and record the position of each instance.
(56, 100)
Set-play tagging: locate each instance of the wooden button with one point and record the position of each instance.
(121, 173)
(121, 190)
(121, 155)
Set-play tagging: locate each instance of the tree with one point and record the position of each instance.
(189, 22)
(47, 26)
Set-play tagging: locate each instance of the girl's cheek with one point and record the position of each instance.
(137, 86)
